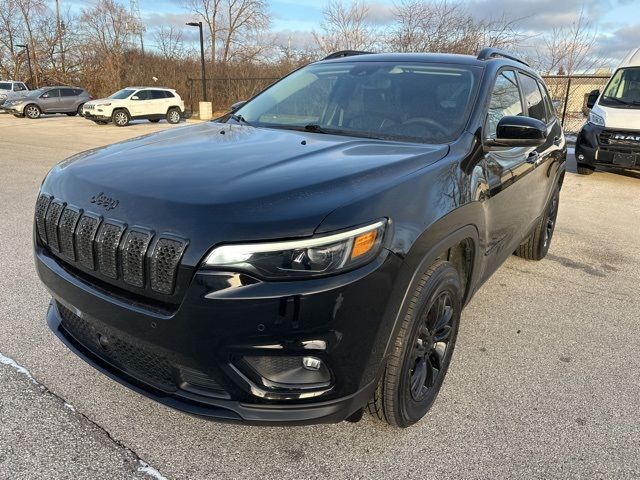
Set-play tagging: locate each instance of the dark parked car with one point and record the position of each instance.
(67, 100)
(308, 255)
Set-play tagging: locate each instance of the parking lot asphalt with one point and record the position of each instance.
(545, 379)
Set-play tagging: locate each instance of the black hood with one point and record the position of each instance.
(214, 182)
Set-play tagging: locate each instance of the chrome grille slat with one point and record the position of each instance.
(41, 210)
(85, 234)
(66, 229)
(107, 243)
(134, 250)
(164, 264)
(51, 220)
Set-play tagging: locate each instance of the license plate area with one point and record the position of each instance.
(625, 159)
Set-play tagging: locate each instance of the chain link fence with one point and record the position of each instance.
(568, 93)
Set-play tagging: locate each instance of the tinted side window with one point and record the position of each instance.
(505, 100)
(168, 94)
(78, 91)
(547, 102)
(144, 94)
(68, 92)
(18, 87)
(533, 98)
(157, 94)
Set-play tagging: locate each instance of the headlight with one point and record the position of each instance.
(312, 257)
(103, 105)
(596, 119)
(3, 96)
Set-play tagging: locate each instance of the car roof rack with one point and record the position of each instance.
(345, 53)
(490, 52)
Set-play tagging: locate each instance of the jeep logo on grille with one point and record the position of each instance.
(103, 201)
(625, 137)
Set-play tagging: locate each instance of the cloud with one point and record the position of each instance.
(538, 15)
(618, 43)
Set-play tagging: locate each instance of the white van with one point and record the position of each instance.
(611, 136)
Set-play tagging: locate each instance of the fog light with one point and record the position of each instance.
(580, 157)
(290, 372)
(312, 363)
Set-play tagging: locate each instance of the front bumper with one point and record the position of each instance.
(13, 110)
(95, 116)
(597, 146)
(340, 318)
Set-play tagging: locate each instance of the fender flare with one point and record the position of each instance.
(413, 268)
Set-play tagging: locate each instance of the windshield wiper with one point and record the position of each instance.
(315, 128)
(607, 97)
(238, 118)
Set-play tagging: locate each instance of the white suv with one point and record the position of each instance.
(10, 90)
(131, 103)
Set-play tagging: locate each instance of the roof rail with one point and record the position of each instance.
(345, 53)
(490, 52)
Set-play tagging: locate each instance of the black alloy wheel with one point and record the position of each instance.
(431, 346)
(422, 350)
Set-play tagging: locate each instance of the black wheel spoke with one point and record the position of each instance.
(442, 334)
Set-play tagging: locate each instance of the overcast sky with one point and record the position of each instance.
(617, 21)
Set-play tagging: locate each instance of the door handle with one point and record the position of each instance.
(533, 158)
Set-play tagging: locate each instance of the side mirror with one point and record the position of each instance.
(519, 131)
(592, 98)
(237, 105)
(135, 97)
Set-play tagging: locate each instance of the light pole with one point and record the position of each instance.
(204, 76)
(28, 61)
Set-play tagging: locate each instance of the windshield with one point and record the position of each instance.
(5, 86)
(407, 101)
(623, 90)
(122, 94)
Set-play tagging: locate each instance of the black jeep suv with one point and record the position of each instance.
(308, 255)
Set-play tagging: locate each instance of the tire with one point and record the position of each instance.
(537, 244)
(32, 111)
(585, 170)
(173, 115)
(154, 120)
(120, 118)
(422, 351)
(79, 110)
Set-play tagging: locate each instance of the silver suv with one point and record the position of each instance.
(10, 90)
(69, 100)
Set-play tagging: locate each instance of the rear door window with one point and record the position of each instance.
(68, 92)
(533, 97)
(157, 95)
(505, 100)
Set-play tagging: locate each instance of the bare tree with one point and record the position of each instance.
(569, 49)
(169, 42)
(345, 27)
(233, 25)
(423, 26)
(109, 30)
